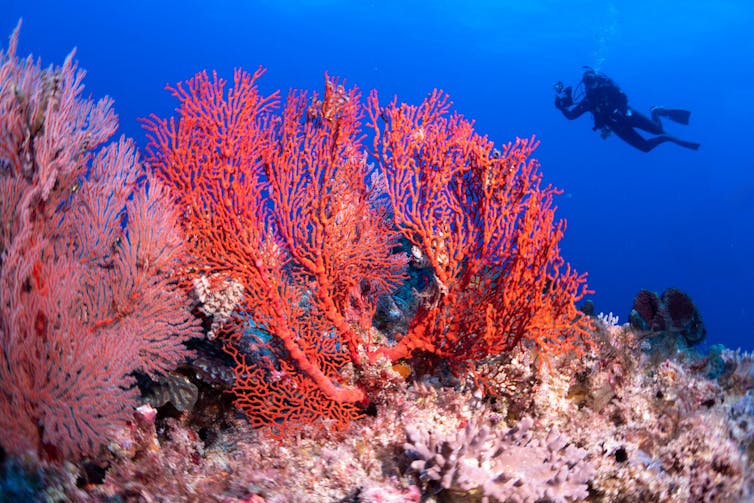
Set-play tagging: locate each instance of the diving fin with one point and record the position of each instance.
(678, 115)
(683, 143)
(690, 144)
(674, 114)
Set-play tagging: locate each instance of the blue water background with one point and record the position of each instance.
(672, 217)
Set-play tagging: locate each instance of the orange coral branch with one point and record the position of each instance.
(325, 208)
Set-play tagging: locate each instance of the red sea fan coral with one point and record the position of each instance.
(88, 247)
(284, 205)
(486, 225)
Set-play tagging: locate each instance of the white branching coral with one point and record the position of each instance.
(609, 320)
(218, 298)
(516, 464)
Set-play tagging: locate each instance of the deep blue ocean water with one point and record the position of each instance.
(671, 217)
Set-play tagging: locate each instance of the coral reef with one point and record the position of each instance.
(614, 424)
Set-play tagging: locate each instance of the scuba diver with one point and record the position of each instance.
(599, 95)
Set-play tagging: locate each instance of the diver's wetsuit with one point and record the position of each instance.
(609, 107)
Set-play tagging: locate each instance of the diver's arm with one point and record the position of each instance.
(580, 109)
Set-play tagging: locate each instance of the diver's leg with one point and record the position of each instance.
(626, 133)
(653, 142)
(645, 145)
(641, 121)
